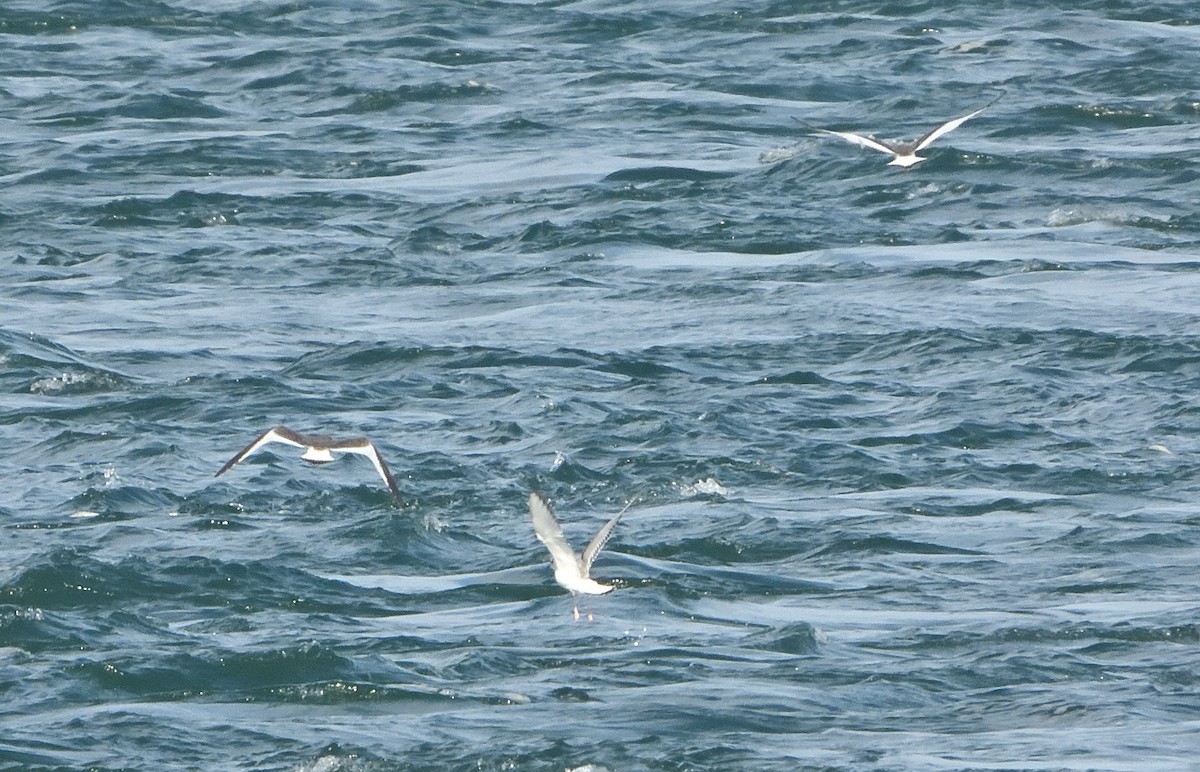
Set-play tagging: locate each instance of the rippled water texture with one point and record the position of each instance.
(912, 455)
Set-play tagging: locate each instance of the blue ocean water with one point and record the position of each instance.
(912, 455)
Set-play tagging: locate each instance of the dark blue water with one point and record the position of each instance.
(912, 454)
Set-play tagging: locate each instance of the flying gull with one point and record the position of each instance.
(570, 570)
(904, 153)
(318, 449)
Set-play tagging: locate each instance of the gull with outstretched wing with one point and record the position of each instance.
(904, 154)
(570, 570)
(318, 449)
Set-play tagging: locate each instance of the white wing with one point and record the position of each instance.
(364, 447)
(277, 434)
(549, 532)
(948, 127)
(861, 141)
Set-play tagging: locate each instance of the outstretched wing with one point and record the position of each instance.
(860, 140)
(598, 541)
(364, 447)
(854, 139)
(276, 434)
(549, 532)
(949, 126)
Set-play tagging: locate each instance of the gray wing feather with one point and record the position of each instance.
(549, 532)
(598, 541)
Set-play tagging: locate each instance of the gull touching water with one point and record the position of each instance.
(904, 153)
(318, 449)
(570, 570)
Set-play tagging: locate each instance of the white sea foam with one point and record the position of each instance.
(706, 487)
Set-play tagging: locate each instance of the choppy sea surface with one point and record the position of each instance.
(912, 455)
